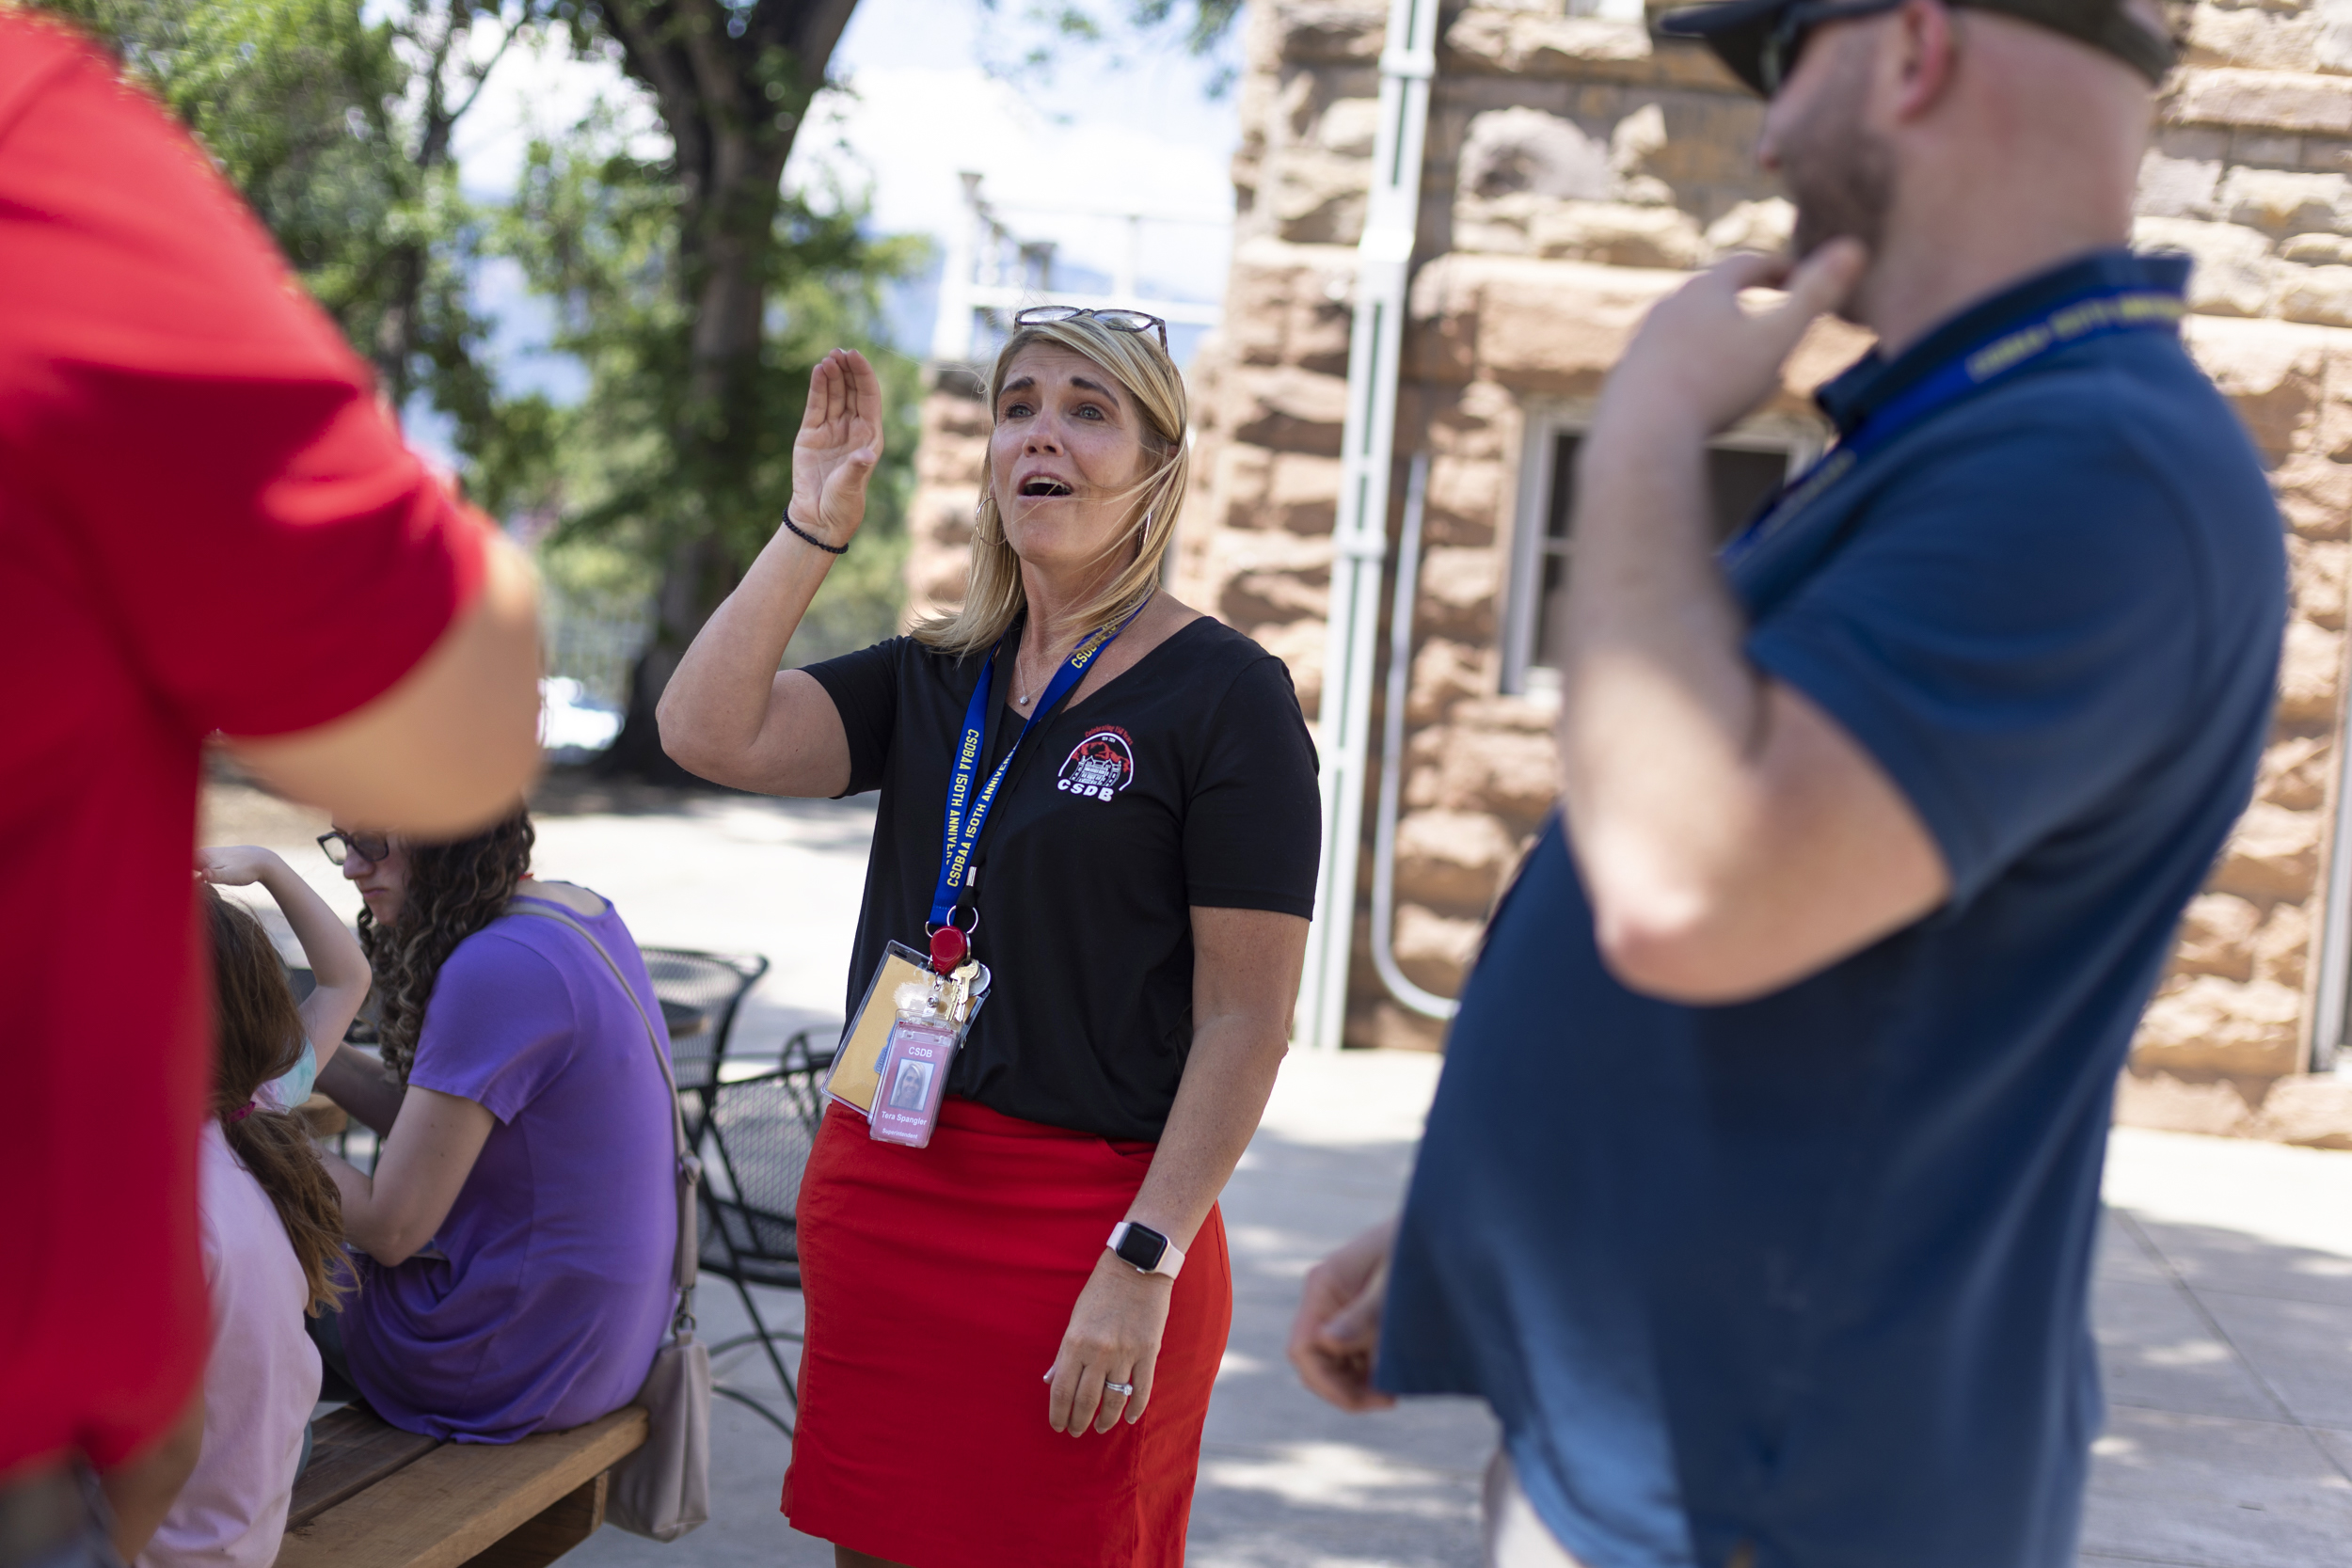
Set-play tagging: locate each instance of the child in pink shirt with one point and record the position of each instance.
(272, 1223)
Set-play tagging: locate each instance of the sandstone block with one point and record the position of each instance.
(1238, 483)
(1289, 409)
(2321, 295)
(1513, 776)
(1710, 141)
(2273, 853)
(2177, 188)
(1617, 234)
(1249, 599)
(2308, 673)
(2282, 945)
(2220, 1025)
(1469, 491)
(2316, 569)
(1331, 31)
(2279, 201)
(1458, 588)
(2217, 937)
(1451, 859)
(935, 579)
(1435, 950)
(2255, 37)
(948, 458)
(953, 409)
(1348, 126)
(1522, 43)
(1446, 672)
(1298, 644)
(1317, 197)
(2315, 492)
(2233, 265)
(2279, 100)
(1302, 493)
(1319, 322)
(2317, 250)
(1522, 151)
(1258, 290)
(2295, 772)
(2272, 372)
(2313, 1111)
(1548, 326)
(1763, 226)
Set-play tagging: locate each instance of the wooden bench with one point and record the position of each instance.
(374, 1496)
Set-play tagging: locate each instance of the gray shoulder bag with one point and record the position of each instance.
(663, 1489)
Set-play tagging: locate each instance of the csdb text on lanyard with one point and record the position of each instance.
(2094, 314)
(967, 812)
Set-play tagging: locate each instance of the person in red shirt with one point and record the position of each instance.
(207, 524)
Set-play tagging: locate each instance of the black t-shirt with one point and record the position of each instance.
(1187, 780)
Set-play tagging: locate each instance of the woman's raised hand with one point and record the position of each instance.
(839, 443)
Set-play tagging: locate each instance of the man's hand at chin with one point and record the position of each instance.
(1338, 1327)
(1702, 360)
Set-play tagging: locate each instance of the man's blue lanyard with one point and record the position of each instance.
(2096, 313)
(967, 812)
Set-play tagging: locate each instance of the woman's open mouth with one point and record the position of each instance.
(1044, 485)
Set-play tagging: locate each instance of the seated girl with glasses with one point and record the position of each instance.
(271, 1226)
(516, 1238)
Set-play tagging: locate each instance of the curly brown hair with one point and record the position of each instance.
(260, 1038)
(454, 891)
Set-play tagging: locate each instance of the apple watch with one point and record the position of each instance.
(1144, 1249)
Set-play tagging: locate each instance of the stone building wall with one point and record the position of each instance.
(1576, 168)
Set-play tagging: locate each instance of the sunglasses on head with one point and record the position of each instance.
(1793, 29)
(340, 846)
(1117, 321)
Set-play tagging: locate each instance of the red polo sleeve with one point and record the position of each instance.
(214, 455)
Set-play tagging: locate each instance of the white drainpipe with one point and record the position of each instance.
(1426, 1003)
(1359, 533)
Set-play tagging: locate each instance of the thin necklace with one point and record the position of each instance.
(1016, 677)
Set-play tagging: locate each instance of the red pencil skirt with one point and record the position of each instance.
(939, 1282)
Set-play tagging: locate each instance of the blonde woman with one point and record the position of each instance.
(987, 1380)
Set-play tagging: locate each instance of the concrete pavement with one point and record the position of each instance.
(2224, 1299)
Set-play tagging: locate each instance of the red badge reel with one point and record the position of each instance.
(949, 947)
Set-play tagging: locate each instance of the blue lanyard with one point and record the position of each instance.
(964, 824)
(2096, 313)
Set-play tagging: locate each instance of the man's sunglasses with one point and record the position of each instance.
(340, 846)
(1793, 29)
(1117, 321)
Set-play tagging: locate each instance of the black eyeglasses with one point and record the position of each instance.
(1117, 321)
(1793, 29)
(340, 846)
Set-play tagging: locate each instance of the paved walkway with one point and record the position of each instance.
(2224, 1296)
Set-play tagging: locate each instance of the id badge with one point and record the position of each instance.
(857, 1067)
(913, 1077)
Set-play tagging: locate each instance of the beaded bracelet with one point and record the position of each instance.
(829, 550)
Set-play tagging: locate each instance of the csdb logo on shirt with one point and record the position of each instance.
(1100, 766)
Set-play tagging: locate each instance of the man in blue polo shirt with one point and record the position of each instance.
(1759, 1192)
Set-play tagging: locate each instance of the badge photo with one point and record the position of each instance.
(1100, 766)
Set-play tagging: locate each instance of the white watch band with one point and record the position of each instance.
(1172, 1255)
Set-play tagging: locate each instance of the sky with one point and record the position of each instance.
(1055, 156)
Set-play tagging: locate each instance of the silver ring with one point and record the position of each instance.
(1126, 1388)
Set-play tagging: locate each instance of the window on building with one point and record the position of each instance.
(1743, 469)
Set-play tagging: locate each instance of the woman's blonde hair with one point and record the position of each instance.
(992, 595)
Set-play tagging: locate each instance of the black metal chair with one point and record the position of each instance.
(700, 995)
(761, 1130)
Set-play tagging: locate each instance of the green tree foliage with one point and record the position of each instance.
(337, 129)
(596, 228)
